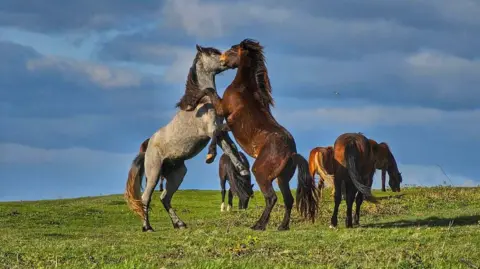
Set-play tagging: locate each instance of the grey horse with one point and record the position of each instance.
(181, 139)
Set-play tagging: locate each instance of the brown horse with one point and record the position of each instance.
(143, 149)
(385, 161)
(321, 162)
(355, 166)
(246, 106)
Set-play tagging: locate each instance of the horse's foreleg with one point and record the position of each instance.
(222, 185)
(231, 150)
(384, 174)
(174, 179)
(230, 199)
(212, 148)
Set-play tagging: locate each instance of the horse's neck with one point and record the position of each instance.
(245, 71)
(206, 80)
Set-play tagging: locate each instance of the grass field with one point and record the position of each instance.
(420, 228)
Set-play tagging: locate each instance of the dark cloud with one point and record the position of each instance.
(61, 16)
(61, 103)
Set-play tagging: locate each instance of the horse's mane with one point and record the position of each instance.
(264, 95)
(192, 91)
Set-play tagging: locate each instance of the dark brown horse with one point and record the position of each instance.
(355, 166)
(246, 106)
(143, 149)
(240, 186)
(385, 161)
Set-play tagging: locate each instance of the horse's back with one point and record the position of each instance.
(183, 137)
(359, 141)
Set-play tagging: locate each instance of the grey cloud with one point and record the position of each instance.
(61, 16)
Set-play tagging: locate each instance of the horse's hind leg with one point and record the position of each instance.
(263, 168)
(339, 178)
(152, 174)
(350, 197)
(283, 183)
(174, 179)
(358, 204)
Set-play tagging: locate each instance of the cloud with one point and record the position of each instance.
(326, 29)
(427, 78)
(21, 154)
(98, 74)
(67, 16)
(375, 115)
(428, 175)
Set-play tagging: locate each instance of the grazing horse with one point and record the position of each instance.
(239, 185)
(142, 149)
(246, 106)
(181, 139)
(385, 161)
(321, 162)
(355, 166)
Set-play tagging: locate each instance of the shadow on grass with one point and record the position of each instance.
(431, 221)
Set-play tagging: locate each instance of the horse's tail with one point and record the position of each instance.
(307, 196)
(352, 155)
(322, 171)
(134, 182)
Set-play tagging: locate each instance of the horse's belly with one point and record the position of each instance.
(187, 147)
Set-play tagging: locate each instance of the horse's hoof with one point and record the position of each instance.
(180, 225)
(229, 207)
(244, 173)
(210, 158)
(332, 227)
(258, 227)
(283, 228)
(147, 229)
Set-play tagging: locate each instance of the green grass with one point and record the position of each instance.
(420, 228)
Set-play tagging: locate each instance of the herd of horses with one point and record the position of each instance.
(348, 166)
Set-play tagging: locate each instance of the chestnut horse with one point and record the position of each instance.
(246, 106)
(385, 161)
(321, 162)
(239, 185)
(355, 166)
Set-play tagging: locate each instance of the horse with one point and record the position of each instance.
(246, 106)
(142, 149)
(181, 139)
(227, 172)
(385, 161)
(354, 166)
(320, 162)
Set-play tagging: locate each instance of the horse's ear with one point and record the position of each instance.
(199, 48)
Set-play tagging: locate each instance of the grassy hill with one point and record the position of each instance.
(420, 228)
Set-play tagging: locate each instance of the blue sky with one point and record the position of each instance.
(82, 85)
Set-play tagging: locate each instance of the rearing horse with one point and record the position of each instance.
(246, 106)
(181, 139)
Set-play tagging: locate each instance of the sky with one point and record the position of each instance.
(84, 83)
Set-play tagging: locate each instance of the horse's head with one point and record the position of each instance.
(232, 57)
(245, 194)
(207, 60)
(395, 178)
